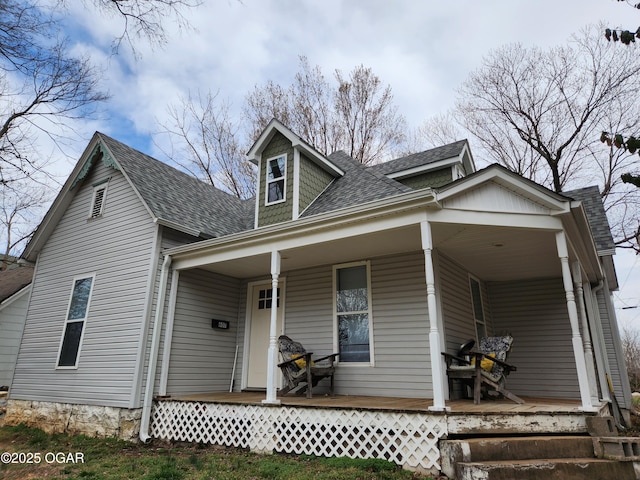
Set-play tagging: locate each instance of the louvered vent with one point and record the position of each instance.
(98, 201)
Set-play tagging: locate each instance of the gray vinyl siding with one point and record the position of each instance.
(457, 308)
(535, 313)
(117, 248)
(201, 356)
(12, 317)
(400, 326)
(609, 332)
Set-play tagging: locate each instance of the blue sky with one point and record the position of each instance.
(423, 49)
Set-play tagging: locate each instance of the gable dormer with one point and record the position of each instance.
(291, 175)
(432, 168)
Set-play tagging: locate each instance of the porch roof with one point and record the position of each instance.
(495, 241)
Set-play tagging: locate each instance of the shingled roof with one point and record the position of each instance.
(14, 280)
(594, 209)
(359, 184)
(419, 159)
(180, 199)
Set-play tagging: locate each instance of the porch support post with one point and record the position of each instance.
(273, 331)
(434, 333)
(576, 339)
(586, 332)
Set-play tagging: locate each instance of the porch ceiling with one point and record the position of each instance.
(340, 250)
(492, 253)
(499, 253)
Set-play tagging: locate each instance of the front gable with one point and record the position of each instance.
(496, 189)
(493, 197)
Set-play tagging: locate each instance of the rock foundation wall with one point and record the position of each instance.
(90, 420)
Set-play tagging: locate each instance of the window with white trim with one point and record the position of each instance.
(478, 310)
(276, 179)
(97, 200)
(74, 323)
(352, 310)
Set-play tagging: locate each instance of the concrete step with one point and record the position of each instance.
(497, 449)
(546, 469)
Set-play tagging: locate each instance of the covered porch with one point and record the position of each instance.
(527, 250)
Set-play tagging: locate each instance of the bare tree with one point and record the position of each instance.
(45, 87)
(42, 86)
(631, 350)
(20, 211)
(356, 115)
(205, 143)
(541, 112)
(370, 125)
(144, 19)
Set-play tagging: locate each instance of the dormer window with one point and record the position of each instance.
(97, 202)
(276, 175)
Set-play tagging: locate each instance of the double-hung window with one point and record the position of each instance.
(352, 297)
(276, 176)
(478, 310)
(74, 324)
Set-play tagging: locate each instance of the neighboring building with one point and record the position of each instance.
(14, 298)
(135, 259)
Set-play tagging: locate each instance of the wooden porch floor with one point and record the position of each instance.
(503, 406)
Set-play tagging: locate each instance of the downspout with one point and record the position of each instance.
(153, 354)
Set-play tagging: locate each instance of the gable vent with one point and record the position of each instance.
(98, 201)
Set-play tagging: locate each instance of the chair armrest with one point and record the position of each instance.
(449, 358)
(306, 357)
(332, 357)
(507, 366)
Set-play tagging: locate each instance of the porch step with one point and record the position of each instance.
(547, 469)
(524, 458)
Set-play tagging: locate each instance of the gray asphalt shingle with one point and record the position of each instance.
(594, 209)
(177, 197)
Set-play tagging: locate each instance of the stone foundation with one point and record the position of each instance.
(90, 420)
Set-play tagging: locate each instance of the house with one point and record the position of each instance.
(14, 298)
(153, 290)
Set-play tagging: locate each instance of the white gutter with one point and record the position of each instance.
(153, 354)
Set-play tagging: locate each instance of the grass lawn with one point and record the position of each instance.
(81, 458)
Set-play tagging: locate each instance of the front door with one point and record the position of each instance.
(260, 322)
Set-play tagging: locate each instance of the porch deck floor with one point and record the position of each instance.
(532, 405)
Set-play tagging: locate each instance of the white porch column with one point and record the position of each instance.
(434, 333)
(586, 332)
(272, 359)
(576, 339)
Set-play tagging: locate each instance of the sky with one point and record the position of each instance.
(423, 49)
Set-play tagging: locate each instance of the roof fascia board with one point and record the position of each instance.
(424, 168)
(14, 297)
(322, 222)
(60, 204)
(472, 164)
(275, 126)
(507, 179)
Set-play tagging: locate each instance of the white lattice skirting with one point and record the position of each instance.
(407, 439)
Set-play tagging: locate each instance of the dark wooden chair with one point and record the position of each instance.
(301, 372)
(484, 369)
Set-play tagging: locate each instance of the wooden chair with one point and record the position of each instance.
(483, 369)
(301, 373)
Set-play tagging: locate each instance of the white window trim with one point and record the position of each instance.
(92, 276)
(336, 342)
(267, 181)
(477, 321)
(98, 187)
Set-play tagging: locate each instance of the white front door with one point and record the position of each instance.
(260, 322)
